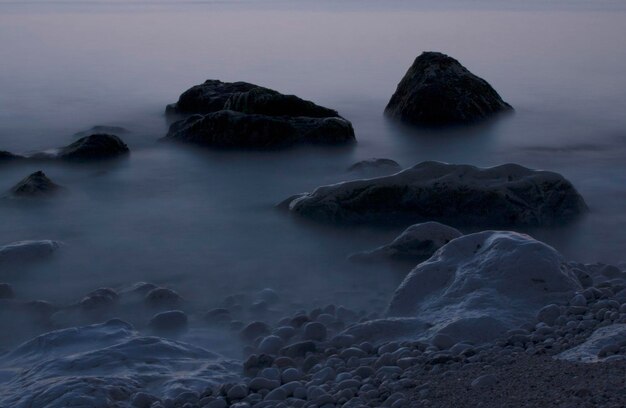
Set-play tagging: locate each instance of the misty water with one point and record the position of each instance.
(203, 222)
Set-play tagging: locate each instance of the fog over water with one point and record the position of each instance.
(204, 221)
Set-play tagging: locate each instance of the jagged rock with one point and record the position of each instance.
(506, 195)
(417, 243)
(35, 185)
(211, 96)
(229, 129)
(98, 146)
(438, 90)
(480, 285)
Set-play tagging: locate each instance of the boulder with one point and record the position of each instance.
(230, 129)
(8, 156)
(506, 195)
(97, 146)
(602, 343)
(214, 95)
(438, 90)
(480, 285)
(34, 186)
(23, 251)
(417, 243)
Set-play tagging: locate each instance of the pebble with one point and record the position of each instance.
(314, 331)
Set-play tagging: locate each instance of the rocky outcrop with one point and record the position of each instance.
(35, 186)
(230, 129)
(100, 129)
(480, 285)
(375, 166)
(98, 146)
(416, 244)
(243, 115)
(506, 195)
(438, 90)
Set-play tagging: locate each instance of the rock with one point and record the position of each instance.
(214, 95)
(438, 90)
(592, 350)
(549, 314)
(143, 400)
(417, 243)
(271, 345)
(217, 316)
(480, 285)
(506, 195)
(375, 166)
(36, 185)
(299, 349)
(260, 383)
(254, 330)
(6, 291)
(98, 146)
(238, 391)
(170, 321)
(578, 300)
(314, 331)
(99, 298)
(230, 129)
(9, 157)
(442, 341)
(484, 381)
(23, 251)
(99, 129)
(163, 298)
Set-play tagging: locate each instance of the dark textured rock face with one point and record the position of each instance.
(208, 97)
(214, 95)
(229, 129)
(35, 185)
(438, 90)
(98, 146)
(506, 195)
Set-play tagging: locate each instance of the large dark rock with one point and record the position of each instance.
(214, 95)
(506, 195)
(229, 129)
(98, 146)
(211, 96)
(438, 90)
(99, 129)
(35, 185)
(8, 156)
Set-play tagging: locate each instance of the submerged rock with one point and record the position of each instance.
(35, 185)
(22, 251)
(230, 129)
(417, 243)
(98, 146)
(100, 129)
(506, 195)
(480, 285)
(438, 90)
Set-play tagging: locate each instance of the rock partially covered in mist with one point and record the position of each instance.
(214, 95)
(375, 167)
(99, 299)
(23, 251)
(480, 285)
(101, 129)
(506, 195)
(230, 129)
(36, 185)
(438, 90)
(171, 321)
(163, 298)
(98, 146)
(417, 243)
(211, 96)
(9, 157)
